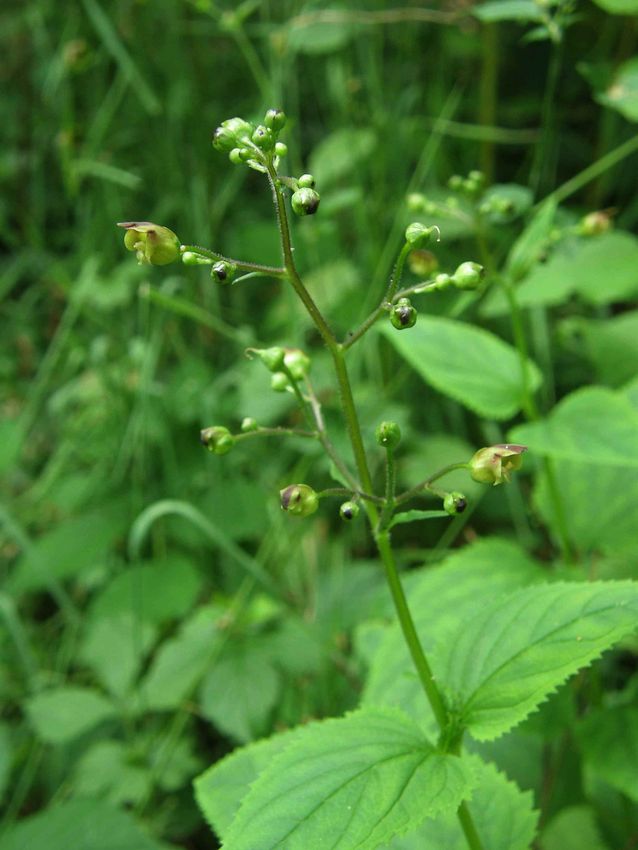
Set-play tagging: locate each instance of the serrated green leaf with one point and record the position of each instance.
(82, 825)
(609, 743)
(61, 714)
(504, 817)
(500, 665)
(220, 790)
(592, 425)
(416, 516)
(441, 598)
(228, 695)
(622, 94)
(574, 828)
(466, 363)
(356, 781)
(508, 10)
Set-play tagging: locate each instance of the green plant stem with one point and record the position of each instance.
(343, 491)
(609, 160)
(273, 271)
(330, 450)
(382, 538)
(388, 298)
(468, 827)
(545, 149)
(488, 94)
(408, 628)
(390, 489)
(277, 432)
(426, 483)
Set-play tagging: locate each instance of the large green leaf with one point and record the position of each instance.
(610, 344)
(508, 10)
(338, 154)
(154, 593)
(622, 94)
(602, 269)
(503, 815)
(442, 598)
(114, 648)
(466, 363)
(181, 662)
(228, 693)
(602, 505)
(354, 782)
(220, 789)
(499, 666)
(619, 7)
(61, 714)
(574, 828)
(81, 825)
(592, 425)
(609, 742)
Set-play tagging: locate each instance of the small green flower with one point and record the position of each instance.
(468, 275)
(419, 234)
(494, 464)
(299, 500)
(153, 244)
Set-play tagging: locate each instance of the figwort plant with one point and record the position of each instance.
(375, 775)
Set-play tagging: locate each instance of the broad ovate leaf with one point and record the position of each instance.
(503, 663)
(467, 363)
(354, 782)
(593, 425)
(504, 817)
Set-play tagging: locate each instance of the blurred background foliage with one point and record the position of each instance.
(156, 607)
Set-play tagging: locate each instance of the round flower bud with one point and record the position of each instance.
(275, 119)
(422, 263)
(281, 149)
(388, 435)
(349, 511)
(493, 464)
(249, 424)
(418, 234)
(272, 358)
(306, 181)
(231, 133)
(468, 275)
(595, 223)
(223, 272)
(263, 138)
(153, 244)
(454, 503)
(403, 315)
(297, 362)
(235, 156)
(279, 382)
(455, 182)
(217, 439)
(305, 201)
(415, 201)
(299, 500)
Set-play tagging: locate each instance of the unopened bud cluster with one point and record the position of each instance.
(253, 144)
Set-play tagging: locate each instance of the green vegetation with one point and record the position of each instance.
(404, 657)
